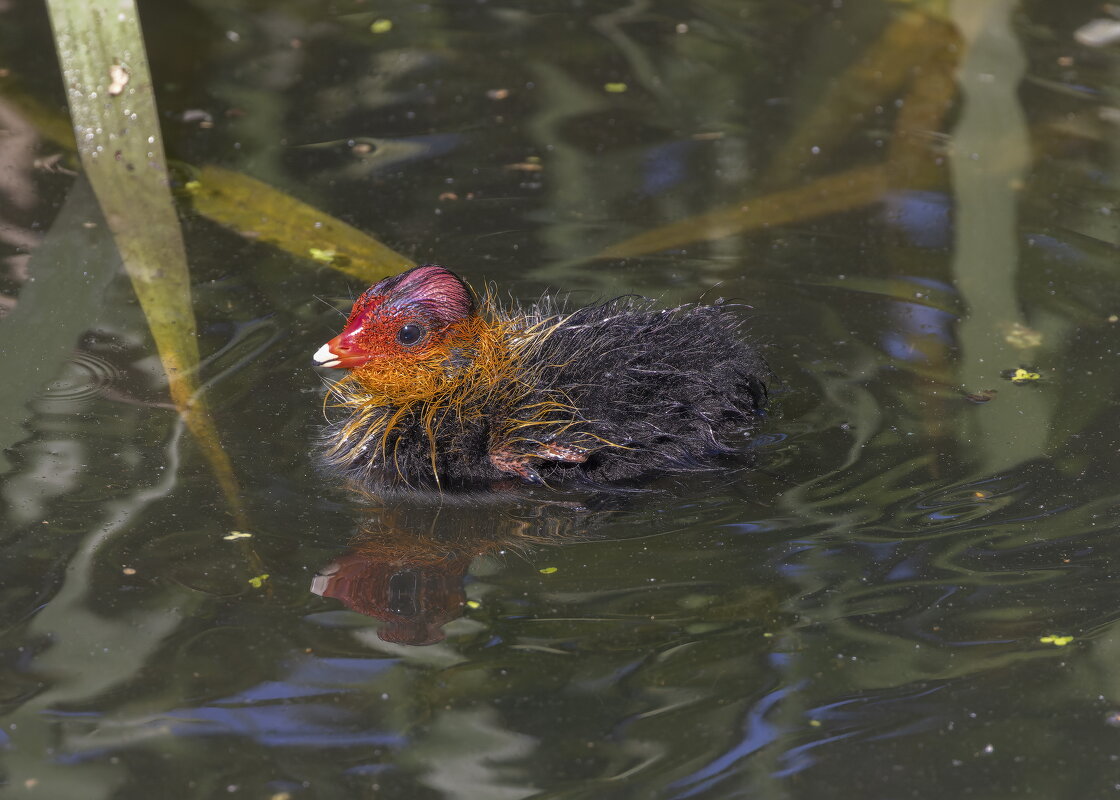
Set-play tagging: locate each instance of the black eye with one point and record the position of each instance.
(410, 334)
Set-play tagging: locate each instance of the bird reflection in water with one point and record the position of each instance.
(408, 563)
(413, 600)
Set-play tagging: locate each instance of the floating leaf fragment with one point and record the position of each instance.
(235, 535)
(1021, 375)
(547, 570)
(258, 581)
(474, 604)
(530, 164)
(1057, 641)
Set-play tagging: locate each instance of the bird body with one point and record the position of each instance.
(443, 394)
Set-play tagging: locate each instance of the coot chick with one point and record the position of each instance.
(445, 391)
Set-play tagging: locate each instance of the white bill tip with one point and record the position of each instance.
(324, 357)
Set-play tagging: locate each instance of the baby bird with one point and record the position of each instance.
(445, 391)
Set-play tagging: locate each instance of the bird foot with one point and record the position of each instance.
(518, 463)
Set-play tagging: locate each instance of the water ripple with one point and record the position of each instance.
(86, 376)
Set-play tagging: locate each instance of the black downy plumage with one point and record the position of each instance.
(603, 394)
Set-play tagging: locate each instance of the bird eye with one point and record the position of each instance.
(410, 334)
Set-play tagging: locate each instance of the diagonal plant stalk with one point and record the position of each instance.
(116, 126)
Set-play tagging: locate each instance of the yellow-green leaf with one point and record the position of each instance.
(256, 210)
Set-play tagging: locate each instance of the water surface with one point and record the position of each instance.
(908, 591)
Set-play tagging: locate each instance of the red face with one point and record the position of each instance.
(402, 316)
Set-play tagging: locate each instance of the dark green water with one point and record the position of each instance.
(869, 612)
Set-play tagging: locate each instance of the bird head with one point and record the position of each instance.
(401, 320)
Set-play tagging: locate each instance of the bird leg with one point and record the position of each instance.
(517, 463)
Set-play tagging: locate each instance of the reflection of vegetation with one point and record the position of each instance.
(832, 195)
(916, 53)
